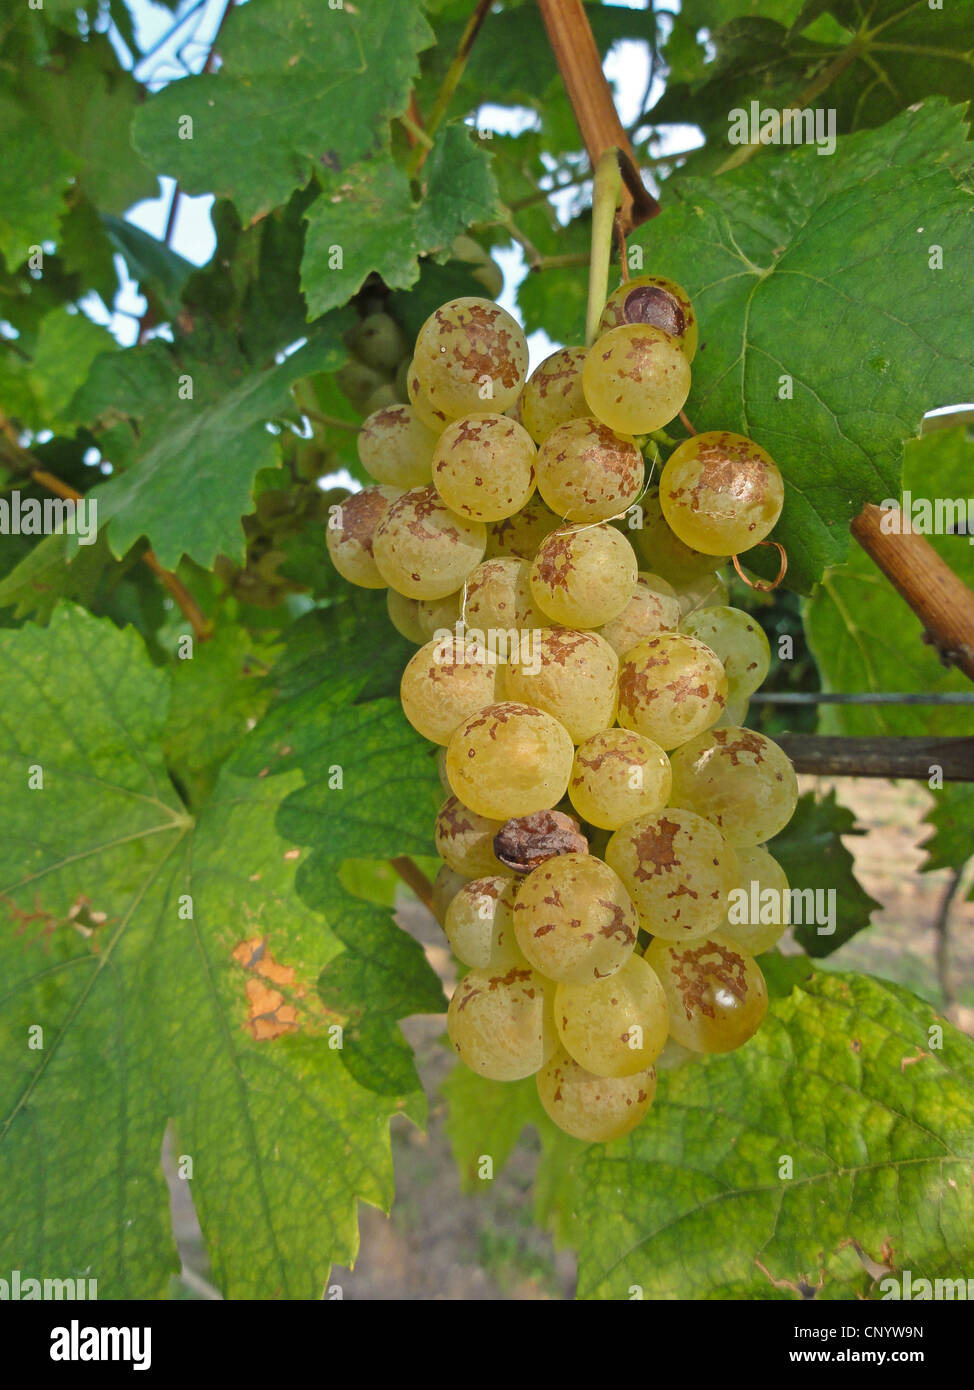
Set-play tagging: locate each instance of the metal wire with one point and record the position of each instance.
(819, 697)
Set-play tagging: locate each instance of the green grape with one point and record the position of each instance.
(593, 1108)
(721, 493)
(571, 675)
(738, 779)
(500, 1024)
(423, 549)
(403, 614)
(663, 552)
(378, 341)
(553, 393)
(479, 924)
(519, 536)
(485, 268)
(583, 577)
(357, 382)
(441, 768)
(395, 447)
(419, 619)
(716, 993)
(758, 913)
(483, 466)
(465, 841)
(382, 398)
(614, 1027)
(445, 683)
(678, 869)
(674, 1056)
(446, 886)
(739, 641)
(433, 418)
(587, 472)
(617, 776)
(656, 300)
(509, 760)
(351, 534)
(574, 920)
(652, 609)
(499, 598)
(470, 351)
(706, 591)
(671, 687)
(735, 712)
(636, 378)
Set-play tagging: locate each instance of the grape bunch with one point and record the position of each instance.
(587, 685)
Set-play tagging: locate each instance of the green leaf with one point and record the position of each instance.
(693, 1204)
(866, 639)
(368, 216)
(820, 274)
(33, 177)
(951, 817)
(305, 87)
(811, 852)
(191, 472)
(156, 1006)
(56, 567)
(153, 264)
(67, 345)
(368, 793)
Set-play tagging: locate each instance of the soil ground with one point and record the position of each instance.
(439, 1243)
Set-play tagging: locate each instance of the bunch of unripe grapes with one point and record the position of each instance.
(587, 685)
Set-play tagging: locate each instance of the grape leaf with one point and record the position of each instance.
(368, 791)
(157, 1006)
(824, 276)
(367, 216)
(811, 852)
(951, 817)
(693, 1204)
(67, 344)
(191, 472)
(33, 176)
(864, 637)
(315, 85)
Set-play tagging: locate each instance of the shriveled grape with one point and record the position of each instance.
(653, 299)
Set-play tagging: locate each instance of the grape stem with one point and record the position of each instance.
(414, 878)
(606, 195)
(449, 85)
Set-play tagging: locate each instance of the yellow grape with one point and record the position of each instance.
(350, 534)
(614, 1027)
(656, 300)
(470, 351)
(570, 675)
(444, 683)
(593, 1108)
(395, 447)
(653, 608)
(424, 550)
(740, 780)
(518, 536)
(479, 923)
(509, 760)
(499, 597)
(671, 687)
(740, 642)
(721, 493)
(500, 1024)
(483, 466)
(758, 915)
(553, 393)
(434, 419)
(583, 577)
(446, 886)
(636, 378)
(678, 869)
(662, 551)
(706, 591)
(587, 472)
(715, 991)
(465, 841)
(617, 776)
(420, 619)
(574, 920)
